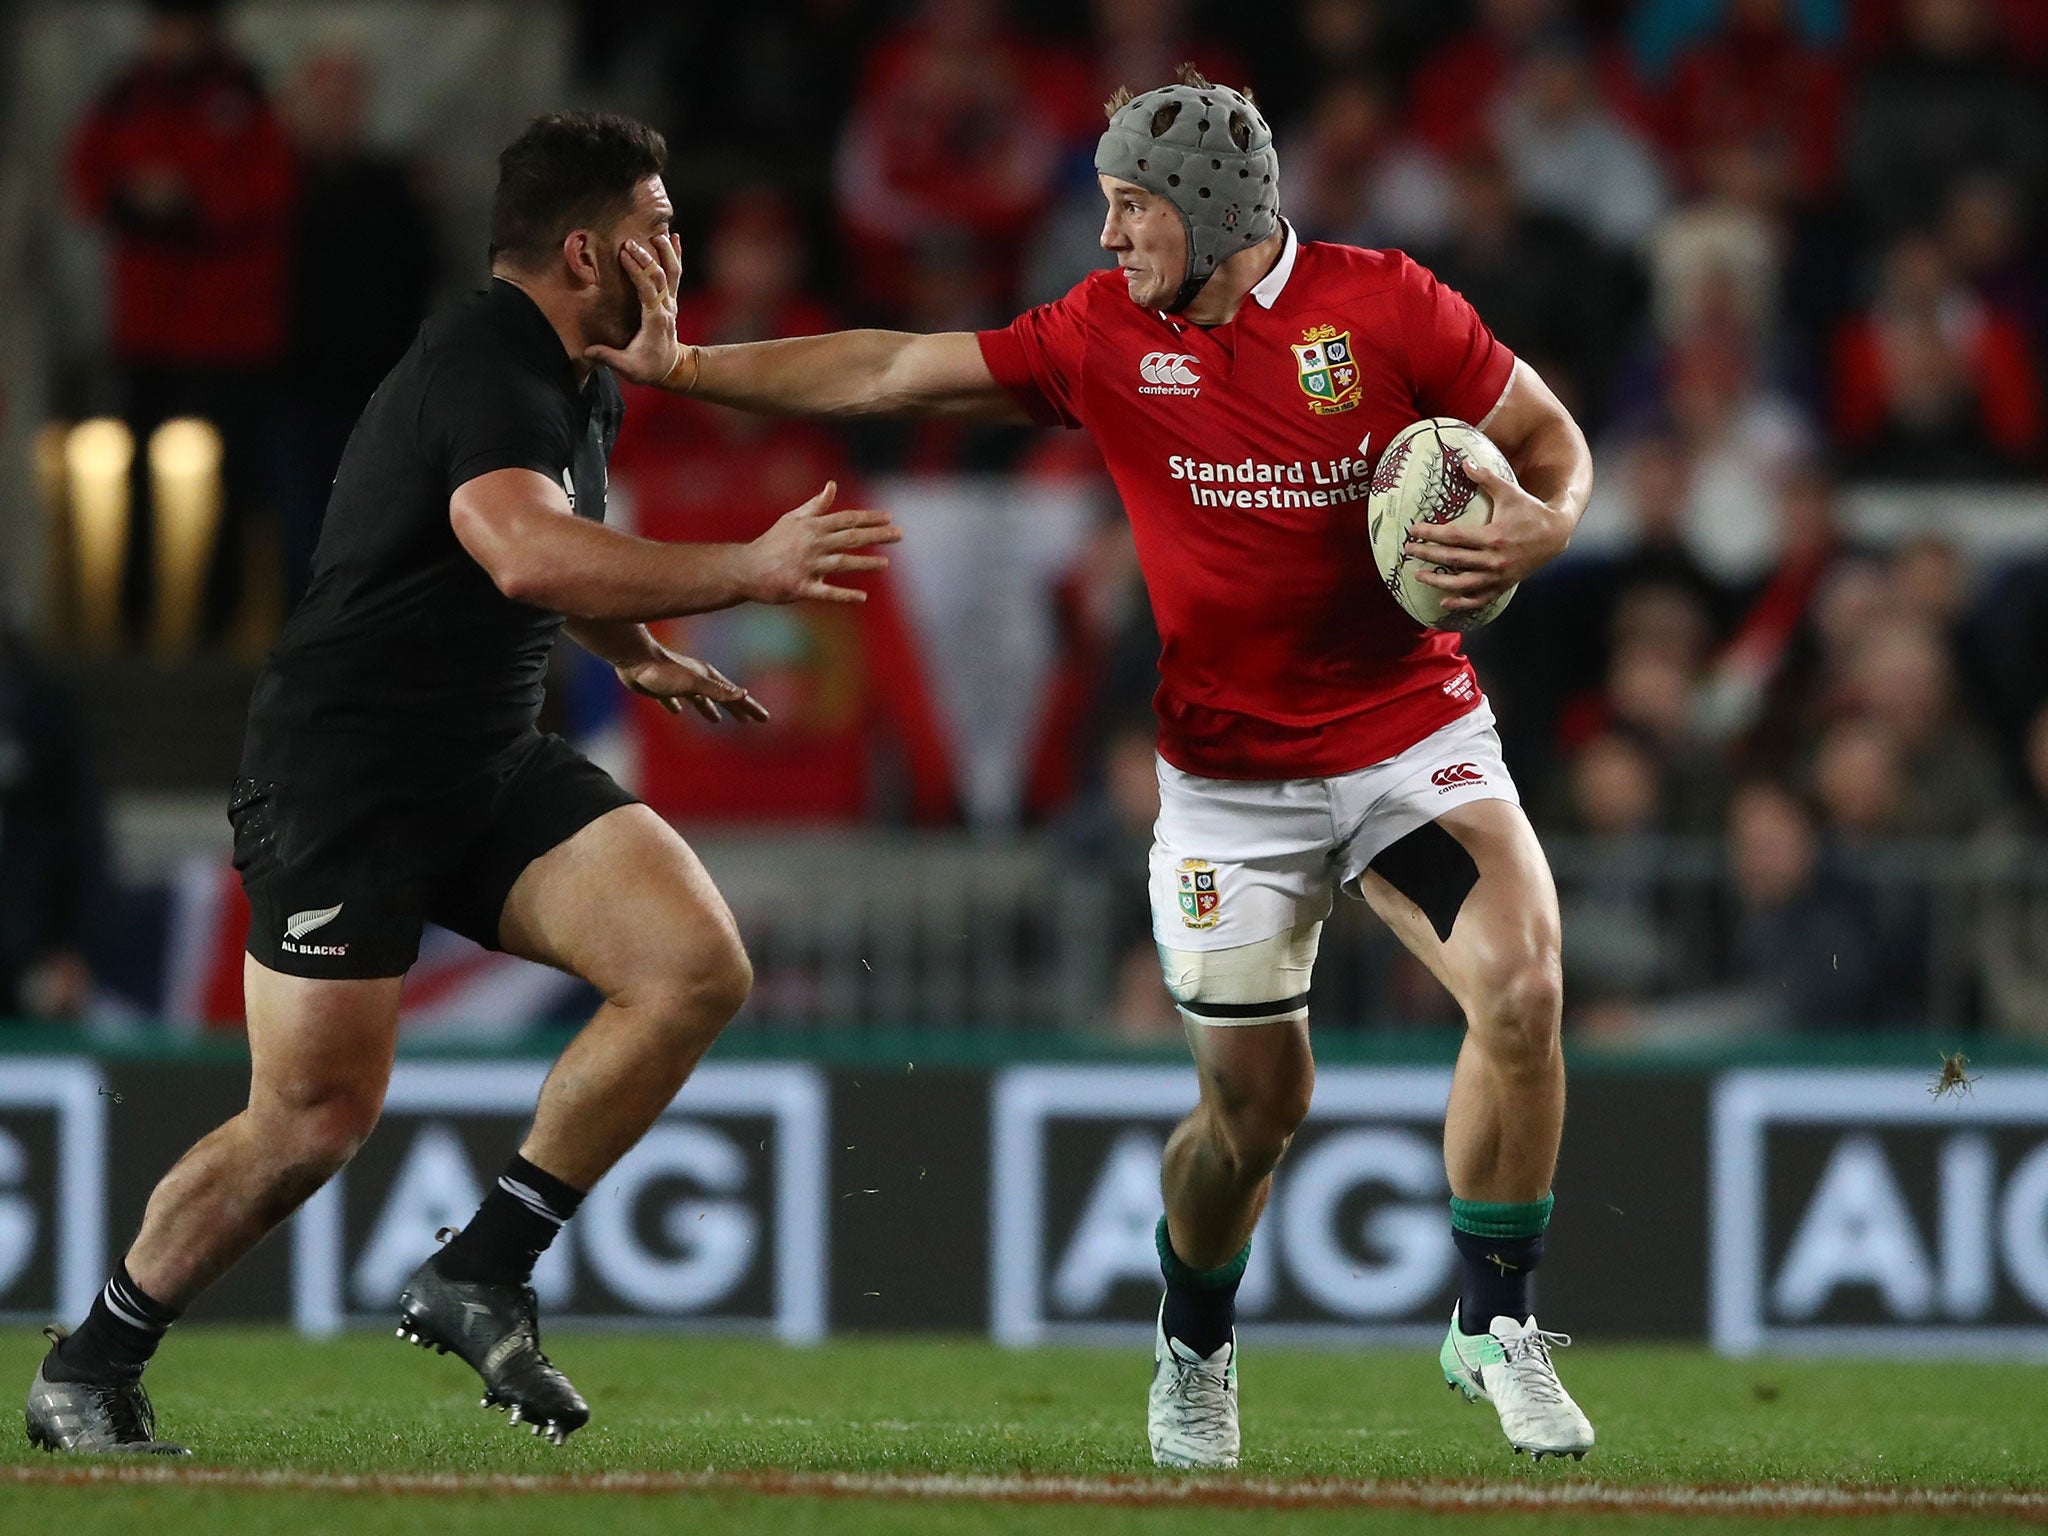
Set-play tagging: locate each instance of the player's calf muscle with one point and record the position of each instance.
(227, 1192)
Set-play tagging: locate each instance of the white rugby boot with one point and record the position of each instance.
(1509, 1366)
(1192, 1416)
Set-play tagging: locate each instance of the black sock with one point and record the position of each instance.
(118, 1335)
(1497, 1278)
(1201, 1304)
(512, 1228)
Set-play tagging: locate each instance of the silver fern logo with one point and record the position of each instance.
(299, 924)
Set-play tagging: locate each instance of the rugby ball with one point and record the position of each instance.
(1420, 478)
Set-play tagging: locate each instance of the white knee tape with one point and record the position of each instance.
(1262, 983)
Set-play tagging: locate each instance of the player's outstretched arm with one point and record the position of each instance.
(1532, 522)
(852, 373)
(846, 373)
(517, 525)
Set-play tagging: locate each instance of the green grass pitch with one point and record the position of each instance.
(766, 1422)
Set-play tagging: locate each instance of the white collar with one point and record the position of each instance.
(1267, 290)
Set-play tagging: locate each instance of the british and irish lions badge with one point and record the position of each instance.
(1328, 371)
(1199, 898)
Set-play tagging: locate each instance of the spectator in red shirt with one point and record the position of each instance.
(950, 140)
(754, 275)
(1932, 383)
(1984, 232)
(183, 164)
(1756, 79)
(2021, 27)
(1458, 87)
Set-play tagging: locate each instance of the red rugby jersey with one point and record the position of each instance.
(1242, 454)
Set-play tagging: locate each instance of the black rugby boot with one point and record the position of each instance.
(496, 1329)
(93, 1417)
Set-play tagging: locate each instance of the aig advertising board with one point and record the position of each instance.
(1353, 1239)
(713, 1217)
(1858, 1212)
(1766, 1210)
(53, 1176)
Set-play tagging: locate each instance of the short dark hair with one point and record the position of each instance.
(1187, 74)
(568, 171)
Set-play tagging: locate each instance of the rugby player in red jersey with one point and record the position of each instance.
(1311, 735)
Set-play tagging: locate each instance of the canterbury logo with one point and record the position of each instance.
(1168, 368)
(1456, 774)
(299, 924)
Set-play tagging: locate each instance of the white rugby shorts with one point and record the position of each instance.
(1235, 861)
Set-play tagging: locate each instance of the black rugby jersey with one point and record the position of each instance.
(401, 634)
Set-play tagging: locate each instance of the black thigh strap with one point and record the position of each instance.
(1432, 869)
(1246, 1010)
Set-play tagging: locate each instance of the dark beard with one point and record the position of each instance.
(621, 313)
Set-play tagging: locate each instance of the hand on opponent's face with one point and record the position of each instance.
(1480, 563)
(656, 275)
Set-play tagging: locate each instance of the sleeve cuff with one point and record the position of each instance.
(1490, 388)
(480, 464)
(1005, 357)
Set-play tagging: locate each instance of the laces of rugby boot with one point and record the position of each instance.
(128, 1410)
(529, 1324)
(1529, 1358)
(1206, 1391)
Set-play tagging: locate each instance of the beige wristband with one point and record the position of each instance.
(689, 355)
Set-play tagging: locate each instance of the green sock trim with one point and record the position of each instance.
(1179, 1272)
(1489, 1218)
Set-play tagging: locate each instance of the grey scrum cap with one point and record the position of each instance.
(1205, 149)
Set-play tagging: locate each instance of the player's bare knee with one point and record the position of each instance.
(726, 983)
(1515, 1015)
(1253, 1148)
(319, 1132)
(696, 991)
(1261, 1140)
(1256, 1125)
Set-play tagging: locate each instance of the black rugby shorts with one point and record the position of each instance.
(346, 855)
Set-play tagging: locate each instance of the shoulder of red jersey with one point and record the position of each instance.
(1326, 272)
(1082, 298)
(1103, 282)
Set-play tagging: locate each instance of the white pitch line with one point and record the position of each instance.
(1222, 1492)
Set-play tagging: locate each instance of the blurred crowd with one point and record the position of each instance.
(266, 267)
(1763, 248)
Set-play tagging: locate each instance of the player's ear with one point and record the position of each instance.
(580, 253)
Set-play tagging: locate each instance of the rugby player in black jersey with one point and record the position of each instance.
(393, 775)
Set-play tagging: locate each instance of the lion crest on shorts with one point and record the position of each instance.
(1199, 899)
